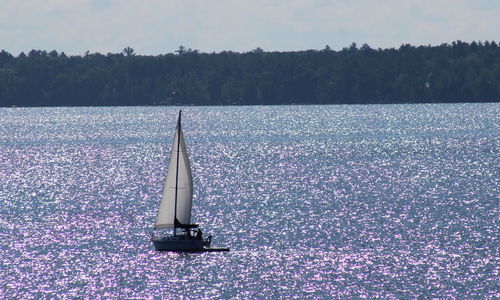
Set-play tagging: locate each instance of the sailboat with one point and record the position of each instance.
(173, 230)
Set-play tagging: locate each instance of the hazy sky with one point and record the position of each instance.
(160, 26)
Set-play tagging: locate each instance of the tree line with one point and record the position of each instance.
(456, 72)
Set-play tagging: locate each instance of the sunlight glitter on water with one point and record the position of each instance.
(314, 201)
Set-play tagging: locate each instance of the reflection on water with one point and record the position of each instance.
(314, 201)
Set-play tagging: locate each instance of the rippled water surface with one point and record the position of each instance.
(314, 201)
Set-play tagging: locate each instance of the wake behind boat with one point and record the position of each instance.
(173, 230)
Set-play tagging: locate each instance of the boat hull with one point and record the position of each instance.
(180, 243)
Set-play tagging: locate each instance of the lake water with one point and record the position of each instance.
(314, 201)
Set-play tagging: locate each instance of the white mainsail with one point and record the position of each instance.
(177, 197)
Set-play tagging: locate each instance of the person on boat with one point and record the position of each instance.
(199, 235)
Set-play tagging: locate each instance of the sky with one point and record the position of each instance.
(153, 27)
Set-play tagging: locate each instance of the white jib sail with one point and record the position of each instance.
(179, 181)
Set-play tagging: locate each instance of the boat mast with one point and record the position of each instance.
(177, 169)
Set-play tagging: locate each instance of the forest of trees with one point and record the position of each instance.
(456, 72)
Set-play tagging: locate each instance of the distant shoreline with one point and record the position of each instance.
(464, 72)
(241, 105)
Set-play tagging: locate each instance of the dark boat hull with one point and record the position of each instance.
(180, 243)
